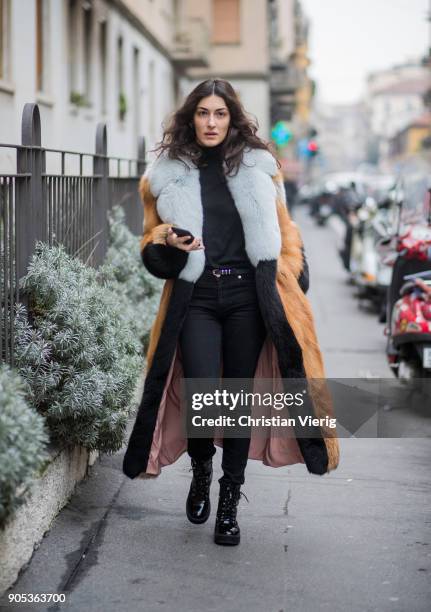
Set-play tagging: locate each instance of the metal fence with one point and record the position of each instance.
(69, 207)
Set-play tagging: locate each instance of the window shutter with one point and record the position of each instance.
(226, 21)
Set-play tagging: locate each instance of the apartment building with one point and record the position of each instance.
(129, 63)
(395, 99)
(291, 87)
(239, 51)
(86, 61)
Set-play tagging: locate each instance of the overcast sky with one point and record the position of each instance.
(349, 38)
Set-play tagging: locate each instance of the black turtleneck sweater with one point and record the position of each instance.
(223, 235)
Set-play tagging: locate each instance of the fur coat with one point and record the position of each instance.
(170, 191)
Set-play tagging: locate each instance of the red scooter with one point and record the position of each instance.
(409, 305)
(411, 327)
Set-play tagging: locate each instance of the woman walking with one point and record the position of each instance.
(233, 303)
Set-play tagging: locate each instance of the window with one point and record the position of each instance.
(87, 31)
(120, 75)
(103, 48)
(5, 73)
(73, 48)
(122, 102)
(152, 104)
(80, 30)
(42, 42)
(226, 21)
(136, 92)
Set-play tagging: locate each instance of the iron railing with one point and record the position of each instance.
(68, 206)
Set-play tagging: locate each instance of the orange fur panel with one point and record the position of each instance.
(154, 229)
(298, 312)
(291, 241)
(333, 450)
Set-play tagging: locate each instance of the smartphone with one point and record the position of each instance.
(182, 232)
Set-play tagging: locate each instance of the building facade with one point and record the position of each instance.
(130, 63)
(343, 135)
(291, 87)
(395, 99)
(239, 51)
(84, 62)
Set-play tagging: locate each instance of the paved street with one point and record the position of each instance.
(357, 539)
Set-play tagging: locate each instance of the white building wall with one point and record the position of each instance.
(286, 28)
(392, 113)
(255, 97)
(67, 126)
(378, 81)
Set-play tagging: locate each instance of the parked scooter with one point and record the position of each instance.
(409, 306)
(371, 226)
(411, 327)
(321, 204)
(348, 203)
(324, 211)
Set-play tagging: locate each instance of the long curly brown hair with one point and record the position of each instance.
(179, 138)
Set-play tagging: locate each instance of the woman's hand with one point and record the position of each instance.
(173, 240)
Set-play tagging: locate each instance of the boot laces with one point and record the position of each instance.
(229, 500)
(200, 480)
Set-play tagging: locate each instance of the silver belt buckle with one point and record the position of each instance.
(221, 271)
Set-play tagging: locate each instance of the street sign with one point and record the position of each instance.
(281, 133)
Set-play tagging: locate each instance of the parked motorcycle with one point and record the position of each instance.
(369, 224)
(349, 204)
(411, 327)
(409, 306)
(322, 202)
(324, 211)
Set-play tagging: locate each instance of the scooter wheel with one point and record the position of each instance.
(408, 370)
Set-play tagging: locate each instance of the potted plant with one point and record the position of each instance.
(122, 105)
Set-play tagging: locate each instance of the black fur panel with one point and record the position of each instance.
(290, 361)
(304, 277)
(163, 260)
(139, 446)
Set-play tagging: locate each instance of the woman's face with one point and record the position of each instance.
(211, 121)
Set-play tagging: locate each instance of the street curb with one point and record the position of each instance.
(49, 494)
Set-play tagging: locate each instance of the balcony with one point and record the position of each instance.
(285, 78)
(282, 108)
(191, 44)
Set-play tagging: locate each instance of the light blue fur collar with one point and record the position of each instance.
(176, 187)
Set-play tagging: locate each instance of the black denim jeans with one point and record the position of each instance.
(223, 322)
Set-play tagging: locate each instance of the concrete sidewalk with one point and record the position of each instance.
(357, 539)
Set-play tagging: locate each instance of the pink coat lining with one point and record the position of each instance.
(169, 442)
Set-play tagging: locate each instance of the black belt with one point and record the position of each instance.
(226, 271)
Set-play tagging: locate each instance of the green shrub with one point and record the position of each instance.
(78, 349)
(22, 443)
(141, 289)
(122, 105)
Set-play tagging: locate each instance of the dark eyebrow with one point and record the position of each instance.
(217, 109)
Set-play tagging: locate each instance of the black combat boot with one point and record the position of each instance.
(198, 506)
(227, 532)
